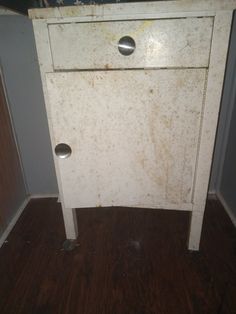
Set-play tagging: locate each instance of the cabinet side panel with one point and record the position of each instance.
(220, 41)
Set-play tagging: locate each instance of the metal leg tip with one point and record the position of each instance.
(69, 245)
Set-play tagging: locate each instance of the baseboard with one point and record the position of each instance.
(33, 196)
(212, 195)
(13, 221)
(5, 11)
(227, 208)
(19, 212)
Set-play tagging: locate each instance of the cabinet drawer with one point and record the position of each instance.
(163, 43)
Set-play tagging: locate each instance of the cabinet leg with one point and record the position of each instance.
(70, 222)
(195, 230)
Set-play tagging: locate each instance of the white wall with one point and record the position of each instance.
(227, 180)
(22, 78)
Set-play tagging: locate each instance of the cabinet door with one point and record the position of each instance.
(133, 134)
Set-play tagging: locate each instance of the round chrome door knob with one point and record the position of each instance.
(63, 150)
(126, 45)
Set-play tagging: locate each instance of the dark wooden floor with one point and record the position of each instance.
(129, 261)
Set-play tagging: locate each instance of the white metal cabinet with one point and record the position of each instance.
(140, 127)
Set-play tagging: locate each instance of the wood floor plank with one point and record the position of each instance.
(128, 261)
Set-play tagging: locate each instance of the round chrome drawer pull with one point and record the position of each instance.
(126, 45)
(63, 150)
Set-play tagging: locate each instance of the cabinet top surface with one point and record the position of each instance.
(136, 8)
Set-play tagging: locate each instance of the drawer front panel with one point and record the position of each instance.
(158, 43)
(133, 135)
